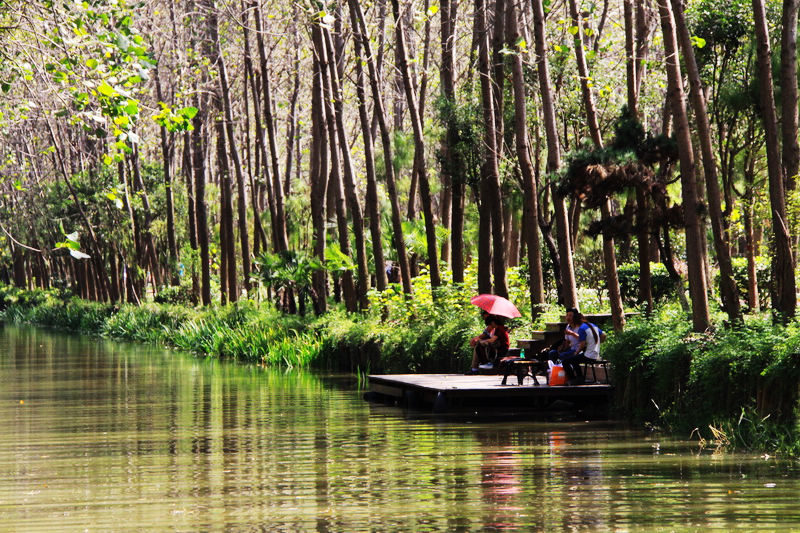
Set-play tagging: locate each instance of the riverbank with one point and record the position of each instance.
(730, 386)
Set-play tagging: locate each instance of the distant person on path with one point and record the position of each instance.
(490, 345)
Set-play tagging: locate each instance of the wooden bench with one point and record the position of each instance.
(521, 368)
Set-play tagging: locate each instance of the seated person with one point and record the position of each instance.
(569, 346)
(589, 338)
(490, 345)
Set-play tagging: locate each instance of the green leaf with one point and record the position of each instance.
(573, 30)
(92, 63)
(189, 112)
(433, 10)
(106, 89)
(132, 108)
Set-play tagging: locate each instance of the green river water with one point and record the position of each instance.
(104, 436)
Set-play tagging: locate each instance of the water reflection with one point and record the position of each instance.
(107, 436)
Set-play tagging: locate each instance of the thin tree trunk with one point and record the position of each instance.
(784, 295)
(419, 150)
(609, 253)
(226, 238)
(372, 202)
(569, 290)
(676, 97)
(325, 56)
(280, 241)
(730, 297)
(491, 202)
(166, 155)
(199, 167)
(453, 170)
(241, 202)
(386, 141)
(318, 170)
(530, 194)
(789, 118)
(353, 203)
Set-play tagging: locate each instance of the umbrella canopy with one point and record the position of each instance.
(495, 305)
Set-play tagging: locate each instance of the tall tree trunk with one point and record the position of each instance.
(630, 59)
(226, 235)
(609, 253)
(167, 149)
(730, 296)
(372, 202)
(353, 203)
(326, 57)
(419, 149)
(259, 235)
(453, 170)
(280, 242)
(784, 295)
(491, 201)
(318, 175)
(188, 176)
(199, 167)
(569, 290)
(789, 118)
(530, 194)
(676, 97)
(386, 141)
(241, 202)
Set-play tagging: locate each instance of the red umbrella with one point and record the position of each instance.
(495, 305)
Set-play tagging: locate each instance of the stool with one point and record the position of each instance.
(594, 363)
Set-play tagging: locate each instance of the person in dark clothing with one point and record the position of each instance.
(490, 345)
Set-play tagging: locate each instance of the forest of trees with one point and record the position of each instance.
(314, 151)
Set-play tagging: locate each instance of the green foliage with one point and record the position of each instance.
(660, 282)
(740, 275)
(667, 375)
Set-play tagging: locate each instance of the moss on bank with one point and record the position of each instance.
(736, 386)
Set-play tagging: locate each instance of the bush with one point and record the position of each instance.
(662, 286)
(667, 375)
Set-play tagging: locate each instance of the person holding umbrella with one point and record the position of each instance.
(493, 343)
(490, 345)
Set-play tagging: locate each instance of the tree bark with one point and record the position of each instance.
(353, 203)
(318, 175)
(419, 150)
(199, 167)
(784, 296)
(789, 118)
(491, 202)
(530, 207)
(730, 297)
(386, 141)
(609, 253)
(569, 291)
(372, 201)
(453, 172)
(676, 97)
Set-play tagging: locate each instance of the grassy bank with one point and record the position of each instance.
(733, 386)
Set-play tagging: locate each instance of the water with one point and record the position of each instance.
(105, 436)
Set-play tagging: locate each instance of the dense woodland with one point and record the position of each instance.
(311, 152)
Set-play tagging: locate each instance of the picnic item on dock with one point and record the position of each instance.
(557, 375)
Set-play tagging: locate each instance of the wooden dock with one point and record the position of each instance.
(483, 394)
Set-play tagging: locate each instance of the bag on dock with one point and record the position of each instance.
(557, 375)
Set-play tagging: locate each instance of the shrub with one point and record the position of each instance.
(662, 286)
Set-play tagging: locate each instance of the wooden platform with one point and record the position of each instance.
(448, 392)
